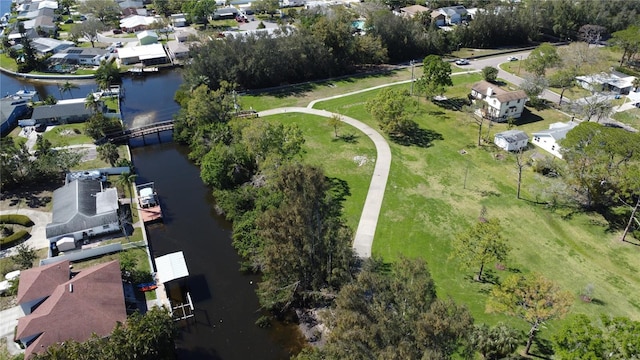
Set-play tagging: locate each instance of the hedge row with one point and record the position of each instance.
(16, 219)
(17, 236)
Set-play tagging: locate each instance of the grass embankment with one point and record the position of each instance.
(427, 203)
(629, 117)
(350, 157)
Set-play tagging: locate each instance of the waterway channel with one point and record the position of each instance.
(226, 306)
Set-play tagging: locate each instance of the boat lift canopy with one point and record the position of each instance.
(171, 267)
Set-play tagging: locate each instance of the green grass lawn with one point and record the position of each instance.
(69, 134)
(630, 117)
(427, 203)
(8, 63)
(337, 156)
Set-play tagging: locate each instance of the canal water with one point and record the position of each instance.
(226, 306)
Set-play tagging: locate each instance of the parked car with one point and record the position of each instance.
(83, 18)
(41, 127)
(118, 44)
(117, 31)
(512, 58)
(68, 21)
(462, 62)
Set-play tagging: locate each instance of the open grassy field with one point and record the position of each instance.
(69, 134)
(630, 117)
(436, 192)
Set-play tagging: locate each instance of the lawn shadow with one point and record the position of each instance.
(348, 138)
(598, 302)
(453, 104)
(339, 189)
(417, 137)
(527, 118)
(544, 347)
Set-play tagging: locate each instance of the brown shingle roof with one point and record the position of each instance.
(511, 95)
(40, 282)
(91, 302)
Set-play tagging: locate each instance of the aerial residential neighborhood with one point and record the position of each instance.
(335, 179)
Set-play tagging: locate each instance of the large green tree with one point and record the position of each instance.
(628, 40)
(480, 245)
(395, 315)
(88, 29)
(106, 11)
(392, 109)
(541, 59)
(307, 251)
(109, 153)
(495, 342)
(531, 298)
(436, 76)
(107, 74)
(98, 125)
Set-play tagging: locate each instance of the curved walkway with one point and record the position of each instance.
(363, 240)
(38, 239)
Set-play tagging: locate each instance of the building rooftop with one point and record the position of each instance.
(36, 283)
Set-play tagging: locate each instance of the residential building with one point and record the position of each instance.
(614, 81)
(498, 104)
(45, 46)
(82, 209)
(147, 37)
(178, 20)
(146, 54)
(413, 10)
(63, 112)
(177, 50)
(454, 15)
(37, 284)
(91, 302)
(11, 108)
(511, 140)
(80, 56)
(136, 23)
(549, 139)
(438, 18)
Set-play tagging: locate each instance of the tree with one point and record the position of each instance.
(532, 298)
(88, 29)
(480, 245)
(636, 83)
(489, 73)
(98, 125)
(91, 101)
(391, 109)
(533, 86)
(520, 164)
(578, 339)
(474, 112)
(598, 106)
(307, 246)
(105, 11)
(266, 6)
(592, 34)
(198, 10)
(628, 40)
(25, 256)
(395, 314)
(335, 122)
(109, 153)
(436, 76)
(67, 86)
(542, 58)
(66, 5)
(496, 342)
(107, 74)
(50, 100)
(126, 179)
(563, 79)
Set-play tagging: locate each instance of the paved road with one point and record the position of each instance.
(495, 61)
(9, 320)
(38, 239)
(363, 240)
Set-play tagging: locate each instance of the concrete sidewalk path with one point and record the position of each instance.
(38, 239)
(366, 231)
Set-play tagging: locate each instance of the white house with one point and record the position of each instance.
(548, 139)
(454, 14)
(614, 81)
(45, 46)
(499, 104)
(136, 22)
(511, 140)
(147, 37)
(80, 56)
(178, 20)
(82, 210)
(146, 54)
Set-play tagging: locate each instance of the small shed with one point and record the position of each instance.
(147, 37)
(66, 243)
(511, 140)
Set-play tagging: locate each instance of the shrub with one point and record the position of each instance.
(16, 219)
(17, 236)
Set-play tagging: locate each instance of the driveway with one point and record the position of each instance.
(363, 240)
(38, 239)
(7, 325)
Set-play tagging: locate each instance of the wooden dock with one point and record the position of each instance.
(151, 214)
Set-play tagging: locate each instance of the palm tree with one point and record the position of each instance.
(91, 102)
(636, 84)
(125, 180)
(67, 87)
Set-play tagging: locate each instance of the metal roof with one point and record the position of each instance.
(171, 267)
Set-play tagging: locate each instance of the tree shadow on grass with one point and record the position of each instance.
(417, 137)
(339, 189)
(544, 348)
(348, 138)
(453, 104)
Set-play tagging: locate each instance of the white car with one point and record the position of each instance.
(512, 58)
(462, 62)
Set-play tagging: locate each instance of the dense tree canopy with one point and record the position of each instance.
(395, 315)
(436, 77)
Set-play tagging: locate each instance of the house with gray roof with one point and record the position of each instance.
(44, 46)
(82, 209)
(511, 140)
(549, 139)
(11, 108)
(454, 14)
(64, 112)
(80, 56)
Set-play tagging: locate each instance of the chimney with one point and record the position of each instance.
(70, 288)
(489, 91)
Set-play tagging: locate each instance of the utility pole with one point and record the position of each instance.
(412, 62)
(631, 219)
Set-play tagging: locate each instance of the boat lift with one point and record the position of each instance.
(173, 267)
